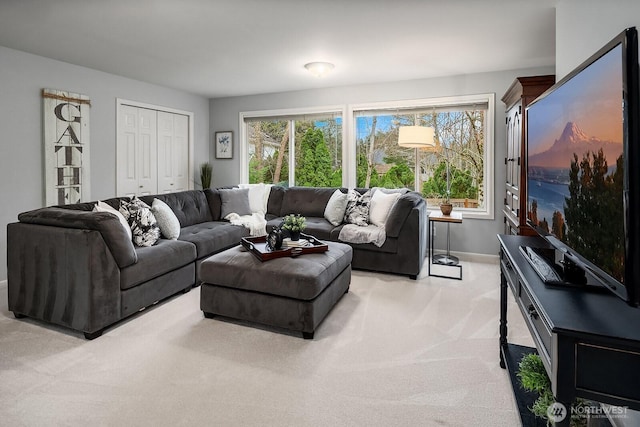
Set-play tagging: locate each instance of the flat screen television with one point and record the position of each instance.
(583, 173)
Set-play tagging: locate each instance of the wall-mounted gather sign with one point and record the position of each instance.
(66, 147)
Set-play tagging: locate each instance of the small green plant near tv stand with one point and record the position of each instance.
(533, 377)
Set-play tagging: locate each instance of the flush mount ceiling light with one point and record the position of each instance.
(319, 69)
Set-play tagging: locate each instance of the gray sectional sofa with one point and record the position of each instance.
(76, 268)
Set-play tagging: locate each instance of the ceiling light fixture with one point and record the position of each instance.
(319, 69)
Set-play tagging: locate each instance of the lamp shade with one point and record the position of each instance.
(416, 136)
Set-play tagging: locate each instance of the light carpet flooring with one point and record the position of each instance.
(393, 352)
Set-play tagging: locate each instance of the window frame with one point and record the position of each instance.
(448, 101)
(348, 113)
(286, 114)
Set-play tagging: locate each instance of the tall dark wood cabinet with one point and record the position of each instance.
(519, 95)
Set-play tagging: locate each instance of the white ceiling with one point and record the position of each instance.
(219, 48)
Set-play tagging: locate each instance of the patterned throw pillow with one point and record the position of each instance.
(357, 211)
(144, 227)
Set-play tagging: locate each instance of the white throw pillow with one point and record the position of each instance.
(103, 207)
(337, 204)
(167, 220)
(256, 197)
(381, 204)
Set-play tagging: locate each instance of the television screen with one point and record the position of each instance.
(583, 173)
(575, 163)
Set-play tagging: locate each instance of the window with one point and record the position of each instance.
(294, 149)
(305, 148)
(460, 165)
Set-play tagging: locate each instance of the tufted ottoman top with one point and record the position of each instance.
(302, 278)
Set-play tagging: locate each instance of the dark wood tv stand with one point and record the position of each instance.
(589, 342)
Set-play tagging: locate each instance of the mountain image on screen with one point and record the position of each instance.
(573, 140)
(576, 194)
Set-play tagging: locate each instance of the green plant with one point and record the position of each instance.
(294, 222)
(447, 183)
(533, 377)
(205, 174)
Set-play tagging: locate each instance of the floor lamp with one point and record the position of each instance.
(416, 137)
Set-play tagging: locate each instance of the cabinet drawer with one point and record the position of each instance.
(509, 273)
(539, 330)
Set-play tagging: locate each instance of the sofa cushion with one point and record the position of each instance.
(213, 199)
(191, 207)
(144, 227)
(390, 246)
(306, 201)
(234, 200)
(154, 261)
(212, 237)
(401, 211)
(317, 227)
(274, 204)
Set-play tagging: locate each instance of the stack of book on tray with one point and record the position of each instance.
(302, 243)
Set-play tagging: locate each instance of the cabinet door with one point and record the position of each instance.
(173, 152)
(514, 135)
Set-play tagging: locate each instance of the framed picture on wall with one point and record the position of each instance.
(224, 145)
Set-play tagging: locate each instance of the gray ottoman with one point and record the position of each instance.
(290, 293)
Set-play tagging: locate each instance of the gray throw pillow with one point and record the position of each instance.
(334, 212)
(234, 200)
(167, 220)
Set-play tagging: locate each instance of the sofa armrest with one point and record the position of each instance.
(63, 276)
(112, 231)
(400, 212)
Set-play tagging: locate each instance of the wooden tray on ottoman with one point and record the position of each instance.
(258, 247)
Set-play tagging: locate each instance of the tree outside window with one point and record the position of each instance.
(304, 148)
(317, 144)
(459, 139)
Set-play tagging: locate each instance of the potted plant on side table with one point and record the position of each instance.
(294, 224)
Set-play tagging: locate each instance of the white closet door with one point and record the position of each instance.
(136, 152)
(173, 152)
(127, 151)
(148, 152)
